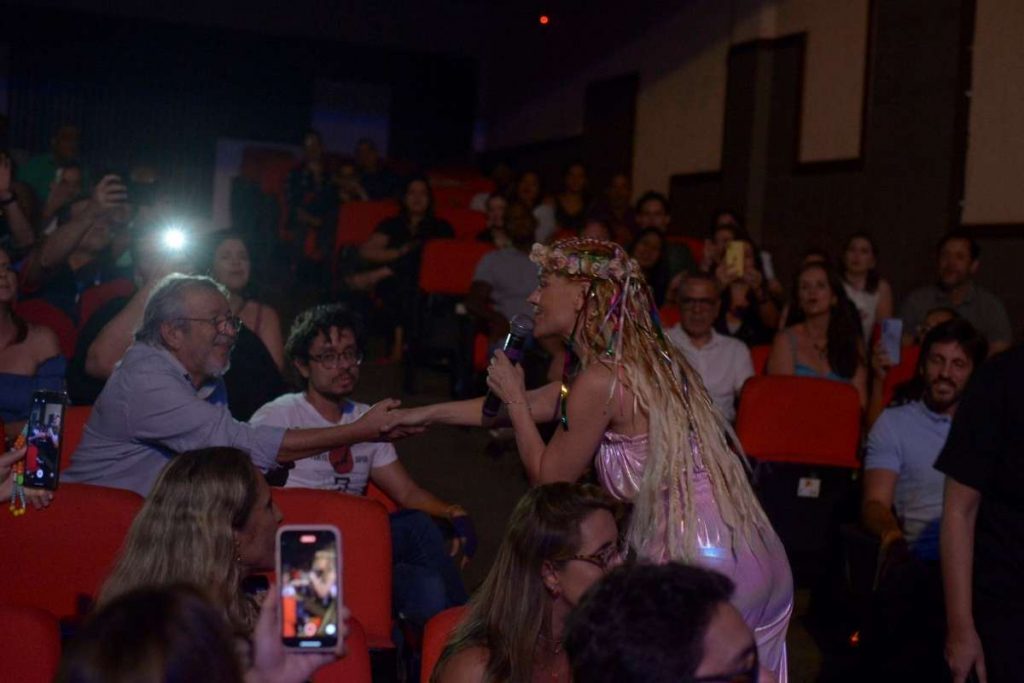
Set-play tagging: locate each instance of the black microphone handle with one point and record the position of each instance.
(514, 350)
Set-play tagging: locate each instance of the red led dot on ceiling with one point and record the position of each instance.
(544, 20)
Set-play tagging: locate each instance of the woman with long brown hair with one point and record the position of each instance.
(560, 540)
(630, 405)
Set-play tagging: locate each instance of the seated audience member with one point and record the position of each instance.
(41, 171)
(16, 233)
(504, 178)
(596, 229)
(650, 252)
(822, 338)
(749, 311)
(560, 540)
(870, 293)
(173, 634)
(726, 226)
(83, 251)
(902, 504)
(724, 363)
(653, 211)
(572, 202)
(312, 212)
(350, 189)
(982, 538)
(376, 179)
(107, 334)
(505, 278)
(167, 396)
(668, 623)
(958, 262)
(615, 209)
(495, 232)
(257, 359)
(215, 504)
(528, 191)
(397, 243)
(325, 345)
(30, 357)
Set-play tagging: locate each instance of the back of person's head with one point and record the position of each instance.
(169, 634)
(186, 531)
(167, 303)
(319, 320)
(644, 624)
(507, 612)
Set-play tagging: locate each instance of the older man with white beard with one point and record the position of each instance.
(167, 396)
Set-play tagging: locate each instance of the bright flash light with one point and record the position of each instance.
(174, 239)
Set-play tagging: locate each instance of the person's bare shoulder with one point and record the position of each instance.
(43, 342)
(468, 666)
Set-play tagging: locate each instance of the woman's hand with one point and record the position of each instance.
(506, 380)
(964, 654)
(406, 419)
(378, 423)
(271, 662)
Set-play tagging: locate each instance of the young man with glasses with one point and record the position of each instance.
(325, 346)
(724, 363)
(167, 396)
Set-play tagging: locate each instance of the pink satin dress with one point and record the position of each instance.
(759, 568)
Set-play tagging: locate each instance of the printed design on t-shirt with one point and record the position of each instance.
(341, 459)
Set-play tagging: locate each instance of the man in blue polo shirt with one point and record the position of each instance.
(902, 502)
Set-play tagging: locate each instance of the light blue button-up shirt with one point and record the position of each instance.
(148, 411)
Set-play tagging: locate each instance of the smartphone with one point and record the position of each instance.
(892, 338)
(767, 266)
(735, 255)
(309, 580)
(44, 435)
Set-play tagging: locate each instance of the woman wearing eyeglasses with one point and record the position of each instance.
(561, 540)
(258, 355)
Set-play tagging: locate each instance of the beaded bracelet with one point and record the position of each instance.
(18, 504)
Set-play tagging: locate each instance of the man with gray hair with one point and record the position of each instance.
(167, 396)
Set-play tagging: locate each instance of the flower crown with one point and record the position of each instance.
(587, 258)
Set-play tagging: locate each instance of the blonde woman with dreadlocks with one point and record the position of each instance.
(630, 405)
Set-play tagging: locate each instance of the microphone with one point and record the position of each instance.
(520, 329)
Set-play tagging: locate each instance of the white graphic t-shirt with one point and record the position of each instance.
(345, 469)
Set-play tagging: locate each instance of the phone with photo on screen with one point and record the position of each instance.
(309, 583)
(892, 338)
(735, 255)
(43, 437)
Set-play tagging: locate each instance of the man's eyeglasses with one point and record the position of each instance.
(603, 559)
(692, 302)
(227, 324)
(332, 360)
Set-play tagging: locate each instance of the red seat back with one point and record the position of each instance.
(354, 667)
(56, 556)
(695, 245)
(448, 265)
(94, 298)
(374, 492)
(902, 372)
(453, 197)
(358, 220)
(435, 637)
(669, 315)
(466, 222)
(31, 637)
(269, 167)
(40, 312)
(800, 420)
(366, 551)
(75, 418)
(759, 355)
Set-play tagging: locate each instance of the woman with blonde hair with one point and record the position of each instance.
(209, 522)
(561, 540)
(630, 405)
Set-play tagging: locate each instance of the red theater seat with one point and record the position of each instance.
(354, 667)
(448, 265)
(904, 371)
(453, 197)
(44, 313)
(75, 418)
(759, 356)
(94, 298)
(31, 637)
(435, 635)
(59, 556)
(466, 222)
(358, 220)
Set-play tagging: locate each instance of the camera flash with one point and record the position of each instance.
(174, 239)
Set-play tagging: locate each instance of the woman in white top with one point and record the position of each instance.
(871, 294)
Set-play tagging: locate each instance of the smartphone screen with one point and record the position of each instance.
(735, 255)
(892, 338)
(45, 430)
(309, 578)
